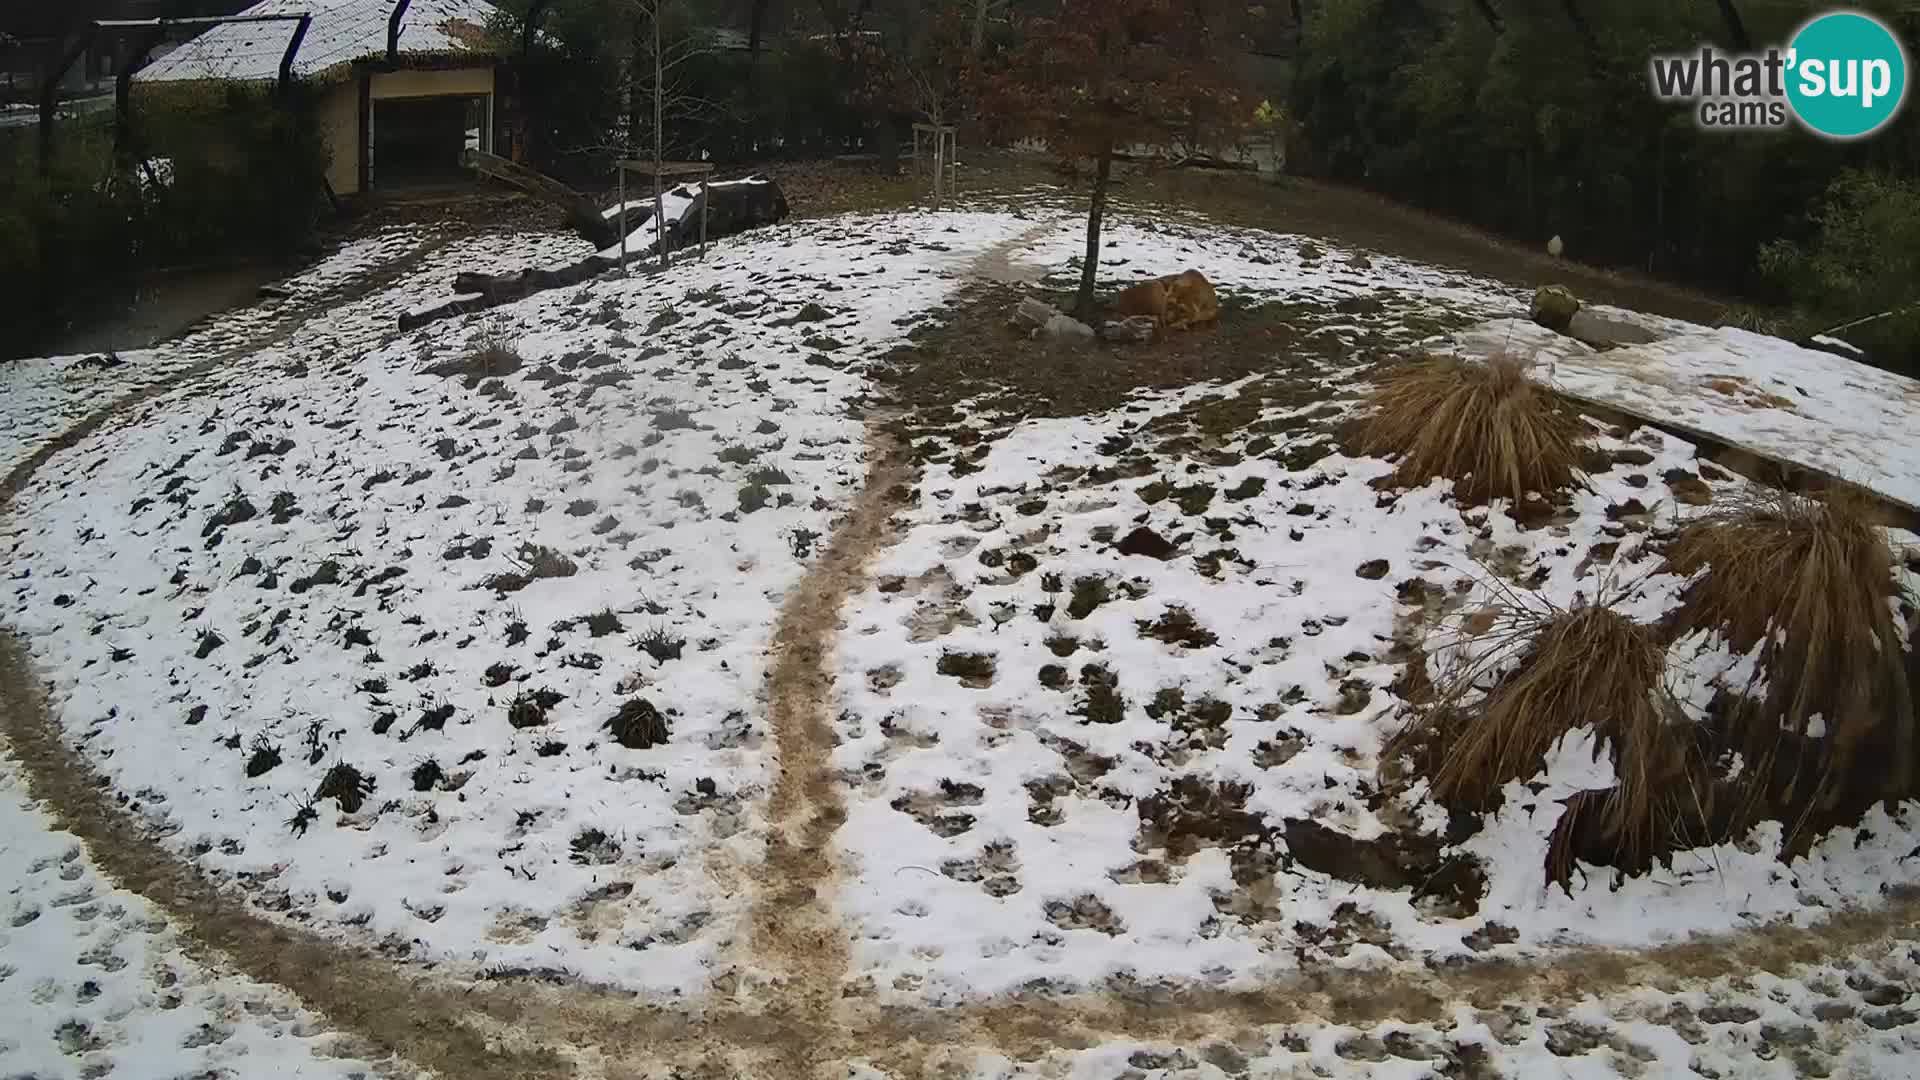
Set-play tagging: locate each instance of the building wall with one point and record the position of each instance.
(340, 112)
(340, 126)
(402, 84)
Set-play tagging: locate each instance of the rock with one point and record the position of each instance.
(1033, 314)
(1373, 569)
(1135, 330)
(1556, 247)
(1067, 328)
(1144, 541)
(1602, 332)
(1554, 307)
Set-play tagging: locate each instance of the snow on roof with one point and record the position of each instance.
(342, 31)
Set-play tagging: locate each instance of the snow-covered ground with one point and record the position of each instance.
(1848, 1018)
(1073, 764)
(93, 980)
(354, 550)
(46, 395)
(362, 620)
(1110, 802)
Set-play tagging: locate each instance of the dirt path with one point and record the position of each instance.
(788, 1014)
(799, 943)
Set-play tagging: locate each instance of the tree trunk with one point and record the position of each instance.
(980, 26)
(659, 130)
(1090, 270)
(635, 84)
(1584, 31)
(756, 35)
(1736, 26)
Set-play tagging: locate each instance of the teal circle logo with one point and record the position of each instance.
(1847, 75)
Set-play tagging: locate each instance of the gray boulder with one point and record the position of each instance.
(1603, 332)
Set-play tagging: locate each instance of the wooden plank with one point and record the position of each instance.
(1792, 475)
(669, 168)
(581, 211)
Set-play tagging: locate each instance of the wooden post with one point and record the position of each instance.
(706, 202)
(659, 219)
(621, 167)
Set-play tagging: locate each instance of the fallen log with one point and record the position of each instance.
(737, 206)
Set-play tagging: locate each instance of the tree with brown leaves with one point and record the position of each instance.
(1097, 76)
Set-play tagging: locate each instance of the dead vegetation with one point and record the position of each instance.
(638, 725)
(494, 356)
(537, 563)
(1532, 678)
(1825, 725)
(347, 786)
(1486, 426)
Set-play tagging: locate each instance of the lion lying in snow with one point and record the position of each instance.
(1175, 302)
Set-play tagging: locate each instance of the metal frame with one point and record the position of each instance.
(702, 169)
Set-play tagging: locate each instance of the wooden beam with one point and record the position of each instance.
(393, 29)
(293, 49)
(581, 211)
(131, 61)
(50, 93)
(364, 142)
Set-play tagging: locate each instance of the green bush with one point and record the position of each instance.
(245, 179)
(1863, 261)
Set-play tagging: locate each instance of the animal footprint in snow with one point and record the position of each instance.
(996, 869)
(934, 808)
(1086, 912)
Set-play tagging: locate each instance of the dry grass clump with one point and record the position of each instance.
(1535, 676)
(639, 726)
(1828, 719)
(1486, 426)
(537, 563)
(493, 356)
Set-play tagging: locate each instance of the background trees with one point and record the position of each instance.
(1534, 119)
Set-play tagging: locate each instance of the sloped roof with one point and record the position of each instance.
(342, 31)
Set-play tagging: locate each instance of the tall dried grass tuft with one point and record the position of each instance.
(1828, 719)
(1487, 426)
(1535, 676)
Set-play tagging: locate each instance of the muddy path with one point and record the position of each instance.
(798, 941)
(784, 1009)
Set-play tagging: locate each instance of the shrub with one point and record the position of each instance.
(1863, 261)
(1486, 426)
(1551, 672)
(1826, 720)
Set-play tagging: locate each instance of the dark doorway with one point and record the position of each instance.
(419, 141)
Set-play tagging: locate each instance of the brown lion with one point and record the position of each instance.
(1175, 302)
